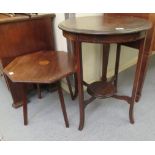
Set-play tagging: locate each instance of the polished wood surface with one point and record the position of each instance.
(148, 16)
(101, 89)
(97, 30)
(21, 35)
(104, 25)
(26, 36)
(40, 67)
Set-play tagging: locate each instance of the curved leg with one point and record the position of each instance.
(138, 74)
(145, 62)
(142, 78)
(63, 107)
(78, 54)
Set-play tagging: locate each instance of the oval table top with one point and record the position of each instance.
(105, 25)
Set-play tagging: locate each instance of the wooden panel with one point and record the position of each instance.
(22, 35)
(25, 37)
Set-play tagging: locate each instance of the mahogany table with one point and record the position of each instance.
(41, 67)
(106, 30)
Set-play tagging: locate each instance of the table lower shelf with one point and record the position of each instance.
(101, 89)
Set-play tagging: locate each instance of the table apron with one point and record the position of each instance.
(116, 38)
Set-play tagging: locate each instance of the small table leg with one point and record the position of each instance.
(138, 75)
(24, 98)
(63, 107)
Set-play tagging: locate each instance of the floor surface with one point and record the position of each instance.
(105, 119)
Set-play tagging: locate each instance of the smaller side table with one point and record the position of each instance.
(41, 67)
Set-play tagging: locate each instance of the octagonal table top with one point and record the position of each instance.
(40, 67)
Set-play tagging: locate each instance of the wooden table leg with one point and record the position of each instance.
(117, 65)
(71, 48)
(142, 78)
(147, 50)
(138, 74)
(80, 83)
(75, 75)
(24, 98)
(106, 48)
(63, 107)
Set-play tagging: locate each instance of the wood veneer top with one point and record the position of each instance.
(105, 25)
(40, 67)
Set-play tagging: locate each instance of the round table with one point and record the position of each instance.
(105, 30)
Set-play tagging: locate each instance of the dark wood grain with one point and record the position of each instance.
(106, 30)
(100, 25)
(101, 89)
(26, 36)
(40, 67)
(20, 35)
(79, 70)
(105, 57)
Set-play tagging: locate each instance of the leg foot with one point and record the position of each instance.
(81, 125)
(131, 113)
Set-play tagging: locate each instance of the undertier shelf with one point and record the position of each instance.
(101, 89)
